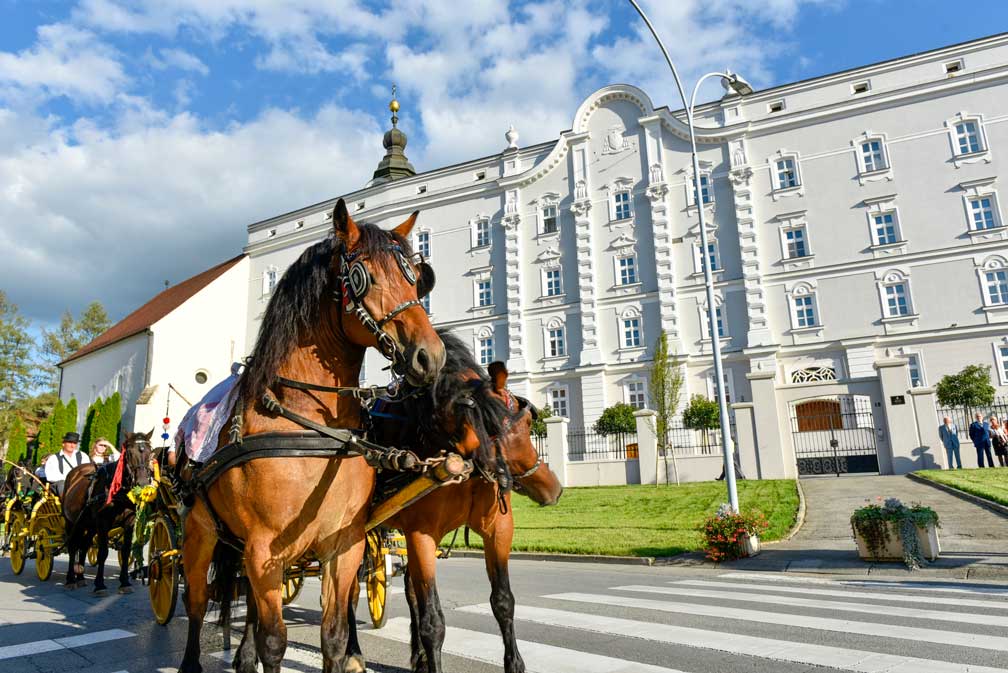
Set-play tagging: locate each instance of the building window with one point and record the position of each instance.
(636, 394)
(552, 279)
(627, 270)
(897, 297)
(796, 241)
(786, 170)
(983, 214)
(706, 192)
(484, 293)
(486, 350)
(556, 344)
(269, 281)
(712, 256)
(804, 308)
(885, 229)
(997, 287)
(718, 319)
(622, 202)
(558, 401)
(968, 137)
(873, 155)
(549, 219)
(729, 385)
(1002, 356)
(481, 233)
(631, 332)
(423, 244)
(915, 369)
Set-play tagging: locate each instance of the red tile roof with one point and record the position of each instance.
(157, 308)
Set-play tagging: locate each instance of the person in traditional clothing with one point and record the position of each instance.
(58, 465)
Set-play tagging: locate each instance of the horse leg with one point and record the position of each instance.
(418, 661)
(245, 658)
(99, 581)
(421, 549)
(126, 550)
(355, 657)
(496, 551)
(338, 579)
(197, 553)
(265, 577)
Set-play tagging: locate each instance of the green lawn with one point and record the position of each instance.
(990, 483)
(641, 520)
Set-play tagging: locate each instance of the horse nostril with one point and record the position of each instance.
(422, 359)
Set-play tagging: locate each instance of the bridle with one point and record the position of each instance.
(509, 422)
(354, 282)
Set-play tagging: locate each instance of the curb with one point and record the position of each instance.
(995, 507)
(799, 518)
(569, 558)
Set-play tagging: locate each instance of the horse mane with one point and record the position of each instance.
(295, 309)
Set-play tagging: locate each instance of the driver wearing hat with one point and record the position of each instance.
(58, 465)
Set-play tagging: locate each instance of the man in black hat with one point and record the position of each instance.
(58, 465)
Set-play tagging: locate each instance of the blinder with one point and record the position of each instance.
(425, 283)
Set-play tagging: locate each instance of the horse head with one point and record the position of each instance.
(137, 454)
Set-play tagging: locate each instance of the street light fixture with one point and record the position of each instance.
(742, 88)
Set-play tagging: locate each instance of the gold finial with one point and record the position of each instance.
(394, 106)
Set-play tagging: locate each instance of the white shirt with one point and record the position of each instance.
(109, 457)
(53, 465)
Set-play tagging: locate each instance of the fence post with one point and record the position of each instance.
(647, 446)
(556, 447)
(745, 439)
(932, 451)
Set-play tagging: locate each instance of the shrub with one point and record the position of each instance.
(616, 420)
(726, 532)
(870, 522)
(539, 424)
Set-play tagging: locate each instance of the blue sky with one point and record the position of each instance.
(138, 138)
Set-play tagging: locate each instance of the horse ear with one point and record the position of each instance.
(149, 434)
(406, 227)
(344, 226)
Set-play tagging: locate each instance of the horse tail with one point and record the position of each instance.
(225, 569)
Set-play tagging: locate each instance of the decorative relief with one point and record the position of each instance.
(615, 142)
(656, 173)
(813, 375)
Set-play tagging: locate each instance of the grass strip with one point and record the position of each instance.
(986, 482)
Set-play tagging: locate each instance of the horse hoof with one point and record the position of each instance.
(81, 584)
(100, 592)
(126, 590)
(355, 664)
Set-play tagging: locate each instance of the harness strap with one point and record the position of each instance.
(370, 392)
(397, 310)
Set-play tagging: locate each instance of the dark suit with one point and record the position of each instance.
(979, 432)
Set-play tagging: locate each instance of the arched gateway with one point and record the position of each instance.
(834, 434)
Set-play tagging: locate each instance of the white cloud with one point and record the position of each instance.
(65, 60)
(179, 59)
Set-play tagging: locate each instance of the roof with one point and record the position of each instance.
(161, 305)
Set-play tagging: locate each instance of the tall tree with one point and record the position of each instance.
(17, 442)
(70, 417)
(16, 367)
(665, 385)
(91, 424)
(969, 389)
(72, 335)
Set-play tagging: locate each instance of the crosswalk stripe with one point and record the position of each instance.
(67, 643)
(986, 642)
(948, 587)
(732, 592)
(295, 653)
(843, 658)
(539, 658)
(875, 596)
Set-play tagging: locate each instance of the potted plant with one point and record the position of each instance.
(732, 535)
(890, 531)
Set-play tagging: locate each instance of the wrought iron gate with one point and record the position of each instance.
(834, 435)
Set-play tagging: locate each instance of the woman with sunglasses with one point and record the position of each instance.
(102, 451)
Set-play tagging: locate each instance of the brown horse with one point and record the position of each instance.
(355, 290)
(89, 515)
(479, 503)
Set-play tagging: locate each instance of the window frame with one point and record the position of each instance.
(778, 190)
(477, 291)
(806, 291)
(893, 278)
(555, 324)
(1001, 360)
(976, 190)
(912, 356)
(992, 264)
(545, 283)
(421, 235)
(268, 286)
(565, 393)
(874, 173)
(729, 379)
(699, 257)
(719, 304)
(481, 336)
(960, 158)
(636, 380)
(477, 225)
(628, 203)
(618, 261)
(631, 313)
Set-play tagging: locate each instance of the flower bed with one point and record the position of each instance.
(731, 535)
(878, 526)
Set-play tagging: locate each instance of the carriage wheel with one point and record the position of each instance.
(377, 578)
(17, 541)
(44, 553)
(293, 582)
(164, 572)
(92, 555)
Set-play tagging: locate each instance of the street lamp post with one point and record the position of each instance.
(741, 87)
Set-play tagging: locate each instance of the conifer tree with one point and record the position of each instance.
(17, 442)
(91, 423)
(70, 419)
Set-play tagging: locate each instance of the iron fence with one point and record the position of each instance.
(688, 442)
(586, 444)
(539, 442)
(963, 416)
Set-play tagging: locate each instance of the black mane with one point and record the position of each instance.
(295, 309)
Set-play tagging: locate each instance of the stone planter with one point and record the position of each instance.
(750, 546)
(927, 539)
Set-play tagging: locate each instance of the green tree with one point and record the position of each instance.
(616, 420)
(17, 441)
(50, 435)
(70, 416)
(539, 424)
(703, 415)
(969, 389)
(90, 432)
(111, 419)
(665, 385)
(72, 335)
(17, 371)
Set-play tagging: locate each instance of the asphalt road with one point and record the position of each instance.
(572, 618)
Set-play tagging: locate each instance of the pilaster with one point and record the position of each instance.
(591, 352)
(741, 177)
(657, 192)
(517, 361)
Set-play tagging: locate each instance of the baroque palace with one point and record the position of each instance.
(856, 236)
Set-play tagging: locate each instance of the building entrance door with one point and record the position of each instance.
(834, 435)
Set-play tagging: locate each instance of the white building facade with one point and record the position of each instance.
(857, 238)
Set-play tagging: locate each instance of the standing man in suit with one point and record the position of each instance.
(948, 432)
(979, 432)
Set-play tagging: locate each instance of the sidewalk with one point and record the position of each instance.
(974, 540)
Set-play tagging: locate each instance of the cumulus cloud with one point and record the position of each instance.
(178, 59)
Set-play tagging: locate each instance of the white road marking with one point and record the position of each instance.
(767, 648)
(875, 596)
(539, 658)
(732, 592)
(877, 584)
(296, 653)
(986, 642)
(67, 643)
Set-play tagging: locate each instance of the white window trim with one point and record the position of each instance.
(699, 255)
(567, 398)
(473, 232)
(619, 185)
(616, 269)
(788, 222)
(266, 292)
(706, 169)
(991, 263)
(907, 353)
(978, 189)
(547, 199)
(554, 323)
(729, 380)
(804, 289)
(551, 266)
(479, 334)
(430, 242)
(882, 205)
(630, 313)
(634, 379)
(865, 175)
(973, 157)
(999, 361)
(705, 337)
(893, 277)
(779, 192)
(480, 275)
